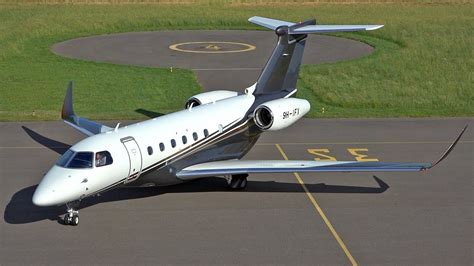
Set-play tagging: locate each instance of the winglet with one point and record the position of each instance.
(448, 151)
(68, 110)
(85, 126)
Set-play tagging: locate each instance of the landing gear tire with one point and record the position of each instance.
(67, 220)
(75, 220)
(237, 182)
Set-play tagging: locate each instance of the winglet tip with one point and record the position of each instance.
(450, 148)
(375, 27)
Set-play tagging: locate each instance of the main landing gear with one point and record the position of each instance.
(237, 182)
(72, 215)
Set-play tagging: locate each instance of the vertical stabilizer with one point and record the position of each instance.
(280, 74)
(281, 71)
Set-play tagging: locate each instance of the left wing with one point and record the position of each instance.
(234, 167)
(85, 126)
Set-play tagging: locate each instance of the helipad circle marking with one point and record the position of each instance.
(247, 47)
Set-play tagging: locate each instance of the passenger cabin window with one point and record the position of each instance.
(162, 146)
(150, 150)
(185, 140)
(195, 136)
(206, 133)
(103, 158)
(81, 160)
(173, 143)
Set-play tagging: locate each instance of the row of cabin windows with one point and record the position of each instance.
(173, 142)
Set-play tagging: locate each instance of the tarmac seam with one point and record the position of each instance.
(320, 211)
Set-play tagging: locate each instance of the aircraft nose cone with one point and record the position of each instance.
(56, 188)
(41, 197)
(46, 192)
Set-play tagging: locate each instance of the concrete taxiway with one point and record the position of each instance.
(386, 218)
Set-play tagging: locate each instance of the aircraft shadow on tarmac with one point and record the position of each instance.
(20, 209)
(53, 145)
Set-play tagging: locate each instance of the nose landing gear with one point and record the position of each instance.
(72, 215)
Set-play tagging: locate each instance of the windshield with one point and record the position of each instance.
(71, 159)
(64, 159)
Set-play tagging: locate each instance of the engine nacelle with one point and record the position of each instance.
(209, 97)
(279, 114)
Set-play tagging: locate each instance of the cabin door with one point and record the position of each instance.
(135, 158)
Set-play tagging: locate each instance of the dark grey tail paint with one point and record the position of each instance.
(280, 74)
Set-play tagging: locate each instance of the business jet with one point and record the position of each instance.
(207, 138)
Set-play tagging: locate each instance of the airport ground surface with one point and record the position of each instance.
(386, 218)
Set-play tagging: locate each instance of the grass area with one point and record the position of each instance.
(423, 64)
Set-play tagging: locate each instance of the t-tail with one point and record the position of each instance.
(280, 74)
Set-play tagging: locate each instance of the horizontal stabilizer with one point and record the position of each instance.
(85, 126)
(269, 23)
(304, 28)
(332, 28)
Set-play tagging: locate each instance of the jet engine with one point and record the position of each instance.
(209, 97)
(281, 113)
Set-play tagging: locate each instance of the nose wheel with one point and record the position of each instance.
(72, 215)
(237, 182)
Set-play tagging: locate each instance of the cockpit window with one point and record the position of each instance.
(64, 159)
(72, 159)
(81, 160)
(103, 158)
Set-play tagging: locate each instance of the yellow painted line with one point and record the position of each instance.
(362, 143)
(320, 211)
(246, 47)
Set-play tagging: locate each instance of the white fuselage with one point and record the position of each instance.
(142, 149)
